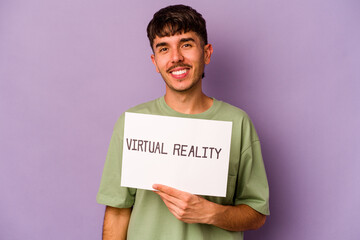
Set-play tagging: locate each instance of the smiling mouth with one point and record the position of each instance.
(179, 72)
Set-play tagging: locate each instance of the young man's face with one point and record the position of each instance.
(181, 59)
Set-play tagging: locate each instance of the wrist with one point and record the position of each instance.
(216, 213)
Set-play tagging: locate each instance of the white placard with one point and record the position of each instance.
(189, 154)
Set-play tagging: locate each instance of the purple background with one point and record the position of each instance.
(69, 68)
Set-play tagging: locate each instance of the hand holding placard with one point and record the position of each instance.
(184, 206)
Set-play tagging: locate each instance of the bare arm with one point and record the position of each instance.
(116, 221)
(190, 208)
(237, 218)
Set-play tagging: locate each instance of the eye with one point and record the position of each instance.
(186, 45)
(163, 49)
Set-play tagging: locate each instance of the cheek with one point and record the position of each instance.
(161, 64)
(195, 58)
(158, 65)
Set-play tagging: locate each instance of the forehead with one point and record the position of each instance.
(176, 38)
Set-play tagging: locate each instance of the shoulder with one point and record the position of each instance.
(147, 107)
(232, 112)
(231, 108)
(242, 124)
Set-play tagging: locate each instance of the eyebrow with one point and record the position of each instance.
(187, 40)
(161, 44)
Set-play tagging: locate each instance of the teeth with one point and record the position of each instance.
(179, 72)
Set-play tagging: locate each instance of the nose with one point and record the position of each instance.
(177, 56)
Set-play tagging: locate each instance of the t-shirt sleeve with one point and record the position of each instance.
(252, 185)
(110, 192)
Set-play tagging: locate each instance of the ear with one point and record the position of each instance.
(208, 50)
(154, 62)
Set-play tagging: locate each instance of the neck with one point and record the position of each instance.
(188, 103)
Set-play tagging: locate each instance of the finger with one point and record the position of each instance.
(175, 201)
(171, 191)
(177, 212)
(172, 207)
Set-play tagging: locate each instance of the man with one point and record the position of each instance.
(178, 39)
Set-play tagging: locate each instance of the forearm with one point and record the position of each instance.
(235, 218)
(116, 221)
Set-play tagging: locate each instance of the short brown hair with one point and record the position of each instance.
(175, 19)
